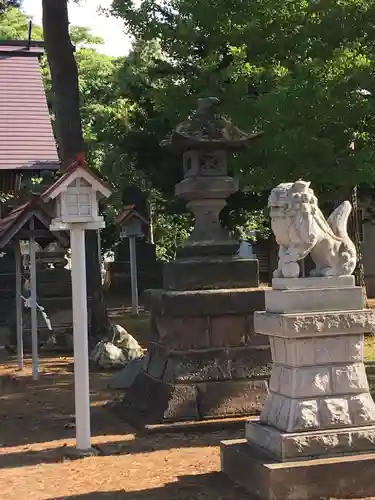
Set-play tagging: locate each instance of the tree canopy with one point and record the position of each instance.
(297, 71)
(7, 4)
(302, 72)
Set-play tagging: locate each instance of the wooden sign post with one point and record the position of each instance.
(76, 194)
(130, 222)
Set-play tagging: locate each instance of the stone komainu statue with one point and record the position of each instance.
(301, 229)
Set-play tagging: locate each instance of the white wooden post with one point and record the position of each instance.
(80, 334)
(76, 214)
(133, 275)
(19, 304)
(33, 302)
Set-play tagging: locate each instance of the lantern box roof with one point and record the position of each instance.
(207, 130)
(129, 212)
(78, 169)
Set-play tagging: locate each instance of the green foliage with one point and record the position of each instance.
(292, 69)
(171, 230)
(14, 26)
(8, 4)
(81, 36)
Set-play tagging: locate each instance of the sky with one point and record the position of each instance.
(117, 43)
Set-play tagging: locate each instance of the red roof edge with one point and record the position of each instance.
(79, 162)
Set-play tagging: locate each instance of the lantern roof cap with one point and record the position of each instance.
(205, 129)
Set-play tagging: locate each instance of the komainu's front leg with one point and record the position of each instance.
(278, 271)
(288, 266)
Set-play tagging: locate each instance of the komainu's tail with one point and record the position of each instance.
(338, 220)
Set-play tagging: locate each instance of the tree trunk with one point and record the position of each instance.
(64, 73)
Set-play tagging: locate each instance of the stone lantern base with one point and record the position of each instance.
(205, 362)
(211, 273)
(316, 434)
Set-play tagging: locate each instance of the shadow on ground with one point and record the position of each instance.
(143, 443)
(199, 487)
(43, 410)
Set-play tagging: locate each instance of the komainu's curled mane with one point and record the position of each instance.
(300, 229)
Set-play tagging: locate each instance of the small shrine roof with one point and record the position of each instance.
(26, 136)
(78, 164)
(13, 224)
(126, 214)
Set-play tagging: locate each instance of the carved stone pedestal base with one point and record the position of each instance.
(205, 361)
(287, 446)
(319, 418)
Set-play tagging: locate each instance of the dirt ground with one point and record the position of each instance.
(37, 426)
(37, 429)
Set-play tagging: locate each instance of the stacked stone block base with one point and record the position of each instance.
(319, 406)
(205, 361)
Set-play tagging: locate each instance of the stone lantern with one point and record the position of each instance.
(204, 141)
(203, 360)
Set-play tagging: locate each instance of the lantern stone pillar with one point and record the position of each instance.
(204, 360)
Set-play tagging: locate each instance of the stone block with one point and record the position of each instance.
(339, 477)
(231, 398)
(220, 364)
(306, 382)
(228, 330)
(349, 379)
(313, 283)
(314, 324)
(183, 333)
(317, 351)
(125, 378)
(310, 381)
(205, 302)
(253, 338)
(157, 361)
(210, 274)
(311, 300)
(294, 415)
(150, 401)
(313, 444)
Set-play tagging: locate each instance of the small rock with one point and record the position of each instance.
(107, 355)
(126, 342)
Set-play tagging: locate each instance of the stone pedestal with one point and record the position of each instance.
(208, 274)
(205, 360)
(319, 406)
